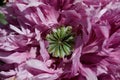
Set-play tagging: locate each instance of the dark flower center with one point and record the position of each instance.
(3, 2)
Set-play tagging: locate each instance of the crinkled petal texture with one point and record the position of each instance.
(24, 48)
(37, 70)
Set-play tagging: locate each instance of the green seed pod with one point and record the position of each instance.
(60, 42)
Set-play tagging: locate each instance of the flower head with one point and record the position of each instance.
(87, 47)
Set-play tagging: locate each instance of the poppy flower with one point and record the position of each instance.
(60, 39)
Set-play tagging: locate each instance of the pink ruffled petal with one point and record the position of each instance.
(15, 57)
